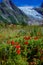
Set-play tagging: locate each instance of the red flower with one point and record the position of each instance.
(27, 38)
(18, 51)
(12, 42)
(16, 43)
(26, 43)
(18, 46)
(35, 38)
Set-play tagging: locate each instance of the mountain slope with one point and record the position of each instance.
(30, 11)
(34, 16)
(39, 10)
(9, 13)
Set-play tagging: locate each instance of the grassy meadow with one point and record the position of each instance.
(21, 45)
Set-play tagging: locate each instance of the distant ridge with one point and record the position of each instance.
(40, 9)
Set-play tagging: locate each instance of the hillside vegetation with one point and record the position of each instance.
(21, 45)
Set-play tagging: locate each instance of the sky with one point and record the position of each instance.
(27, 2)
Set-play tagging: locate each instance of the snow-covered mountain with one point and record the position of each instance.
(11, 14)
(29, 11)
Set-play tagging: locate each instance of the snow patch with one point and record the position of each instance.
(29, 10)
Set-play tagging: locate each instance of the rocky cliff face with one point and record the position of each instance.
(39, 10)
(9, 13)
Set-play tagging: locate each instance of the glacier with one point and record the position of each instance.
(29, 11)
